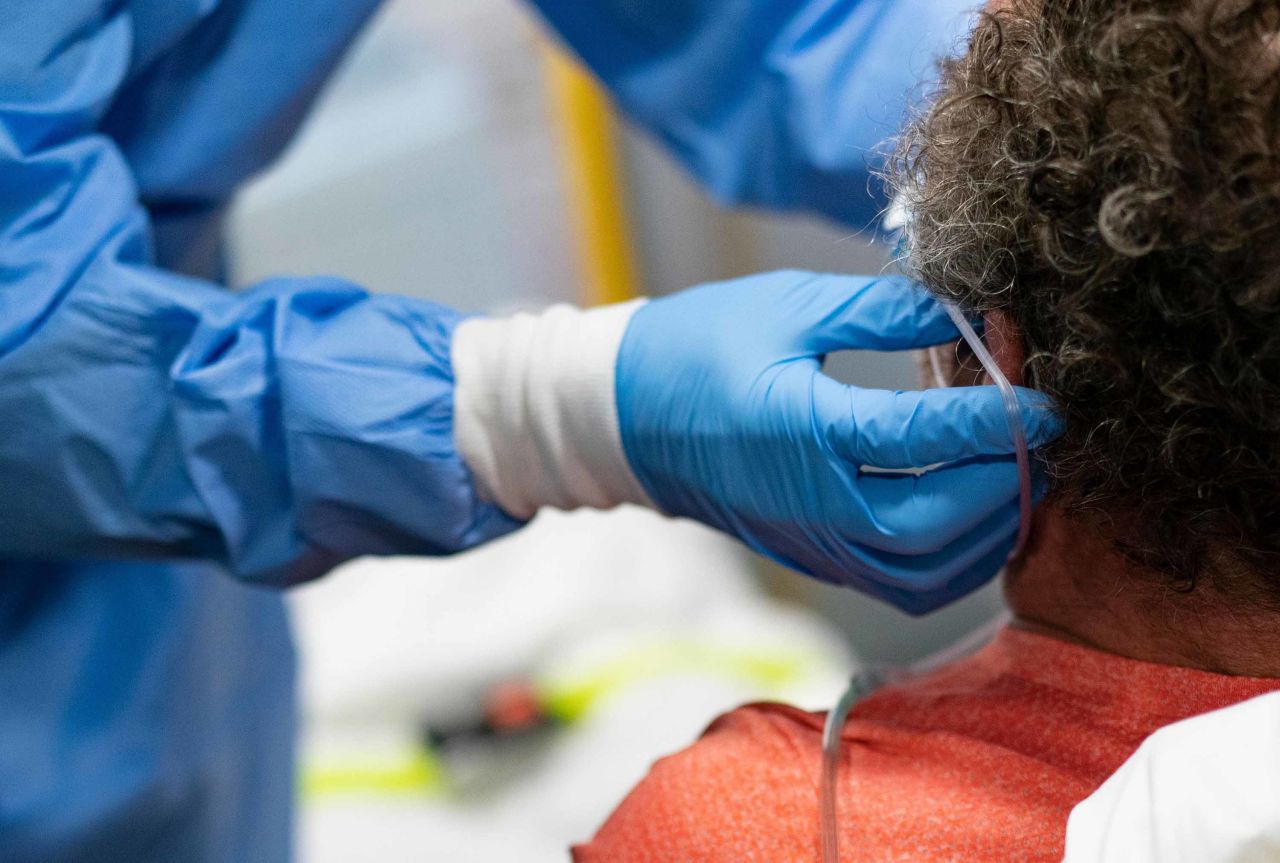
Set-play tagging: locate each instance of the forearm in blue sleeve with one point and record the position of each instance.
(145, 414)
(786, 104)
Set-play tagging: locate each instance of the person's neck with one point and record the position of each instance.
(1073, 585)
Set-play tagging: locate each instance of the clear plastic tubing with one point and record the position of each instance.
(1013, 415)
(867, 680)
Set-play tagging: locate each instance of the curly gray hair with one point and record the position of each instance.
(1107, 173)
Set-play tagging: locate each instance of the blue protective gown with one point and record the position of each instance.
(167, 448)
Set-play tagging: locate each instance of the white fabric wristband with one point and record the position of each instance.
(535, 411)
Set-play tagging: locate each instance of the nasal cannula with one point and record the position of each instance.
(867, 679)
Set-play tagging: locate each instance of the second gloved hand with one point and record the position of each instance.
(711, 404)
(726, 417)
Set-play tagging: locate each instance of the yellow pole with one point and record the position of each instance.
(588, 140)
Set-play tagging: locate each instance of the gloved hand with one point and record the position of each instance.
(726, 417)
(711, 404)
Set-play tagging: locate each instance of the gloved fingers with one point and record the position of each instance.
(915, 429)
(884, 313)
(834, 549)
(918, 600)
(921, 582)
(918, 514)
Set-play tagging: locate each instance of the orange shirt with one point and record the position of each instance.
(982, 760)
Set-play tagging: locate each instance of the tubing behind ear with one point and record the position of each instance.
(866, 680)
(1014, 416)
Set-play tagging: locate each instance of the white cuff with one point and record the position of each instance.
(535, 411)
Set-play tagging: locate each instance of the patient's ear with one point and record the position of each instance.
(1004, 340)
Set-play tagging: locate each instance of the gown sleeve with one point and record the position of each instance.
(145, 414)
(786, 104)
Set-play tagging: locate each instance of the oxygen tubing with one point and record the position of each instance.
(867, 680)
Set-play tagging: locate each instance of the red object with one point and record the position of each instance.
(513, 706)
(982, 760)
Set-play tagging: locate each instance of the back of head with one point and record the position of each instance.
(1107, 173)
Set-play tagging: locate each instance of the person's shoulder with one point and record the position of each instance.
(766, 722)
(754, 765)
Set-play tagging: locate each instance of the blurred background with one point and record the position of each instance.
(497, 705)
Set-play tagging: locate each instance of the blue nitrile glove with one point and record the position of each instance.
(725, 417)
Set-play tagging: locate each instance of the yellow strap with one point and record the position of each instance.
(588, 137)
(416, 773)
(570, 697)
